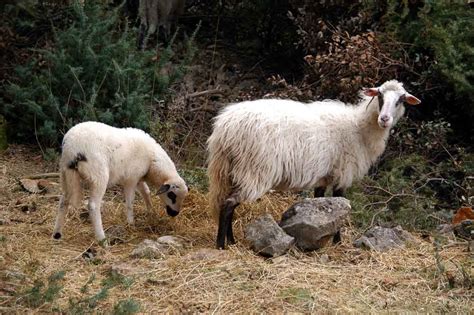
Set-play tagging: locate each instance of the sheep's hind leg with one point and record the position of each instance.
(62, 210)
(225, 223)
(96, 195)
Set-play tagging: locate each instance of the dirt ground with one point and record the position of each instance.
(41, 275)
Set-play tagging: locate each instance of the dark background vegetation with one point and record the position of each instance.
(63, 63)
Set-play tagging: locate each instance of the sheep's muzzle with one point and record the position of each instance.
(171, 212)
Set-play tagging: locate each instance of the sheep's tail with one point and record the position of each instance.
(219, 180)
(71, 186)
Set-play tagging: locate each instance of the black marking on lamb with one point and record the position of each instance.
(172, 196)
(80, 157)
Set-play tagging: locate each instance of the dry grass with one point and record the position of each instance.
(201, 279)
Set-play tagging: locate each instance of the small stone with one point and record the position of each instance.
(324, 258)
(163, 246)
(150, 249)
(315, 222)
(172, 241)
(267, 238)
(382, 239)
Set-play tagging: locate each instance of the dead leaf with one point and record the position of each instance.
(35, 186)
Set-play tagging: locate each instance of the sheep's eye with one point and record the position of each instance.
(172, 196)
(401, 99)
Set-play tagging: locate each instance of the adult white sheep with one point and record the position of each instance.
(103, 156)
(286, 145)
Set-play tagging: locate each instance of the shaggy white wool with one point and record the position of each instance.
(287, 145)
(103, 156)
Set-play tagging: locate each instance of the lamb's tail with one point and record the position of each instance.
(220, 184)
(71, 186)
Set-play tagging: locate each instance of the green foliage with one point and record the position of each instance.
(93, 71)
(412, 190)
(441, 38)
(126, 307)
(196, 178)
(40, 294)
(86, 304)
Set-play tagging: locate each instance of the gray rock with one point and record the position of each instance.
(163, 246)
(267, 238)
(316, 222)
(208, 254)
(382, 239)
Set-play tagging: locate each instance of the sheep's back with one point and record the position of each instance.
(273, 144)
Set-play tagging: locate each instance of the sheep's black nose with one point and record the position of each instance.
(171, 212)
(384, 118)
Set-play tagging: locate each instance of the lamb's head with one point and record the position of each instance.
(391, 96)
(172, 193)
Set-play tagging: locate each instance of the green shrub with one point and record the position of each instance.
(441, 43)
(93, 71)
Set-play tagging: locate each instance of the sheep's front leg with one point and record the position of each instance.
(129, 192)
(96, 195)
(319, 192)
(145, 193)
(62, 210)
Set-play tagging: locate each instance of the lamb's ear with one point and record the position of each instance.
(411, 100)
(164, 188)
(371, 92)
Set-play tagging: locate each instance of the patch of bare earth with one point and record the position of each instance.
(199, 278)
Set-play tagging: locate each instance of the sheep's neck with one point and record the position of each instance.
(373, 137)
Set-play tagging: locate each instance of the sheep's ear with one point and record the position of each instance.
(371, 92)
(164, 188)
(412, 100)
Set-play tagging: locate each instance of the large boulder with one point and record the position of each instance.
(267, 238)
(316, 222)
(382, 239)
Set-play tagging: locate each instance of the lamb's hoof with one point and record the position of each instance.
(104, 243)
(57, 236)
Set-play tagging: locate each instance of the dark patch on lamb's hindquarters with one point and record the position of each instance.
(172, 197)
(80, 157)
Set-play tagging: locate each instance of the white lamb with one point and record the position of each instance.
(103, 156)
(286, 145)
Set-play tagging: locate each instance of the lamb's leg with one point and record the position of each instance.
(62, 210)
(129, 192)
(225, 223)
(96, 195)
(145, 193)
(319, 192)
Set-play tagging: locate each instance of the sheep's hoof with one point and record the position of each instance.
(104, 243)
(57, 236)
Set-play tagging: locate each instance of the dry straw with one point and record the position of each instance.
(200, 279)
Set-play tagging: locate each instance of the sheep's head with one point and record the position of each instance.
(172, 193)
(391, 96)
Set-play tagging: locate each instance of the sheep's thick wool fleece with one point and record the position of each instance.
(126, 153)
(288, 145)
